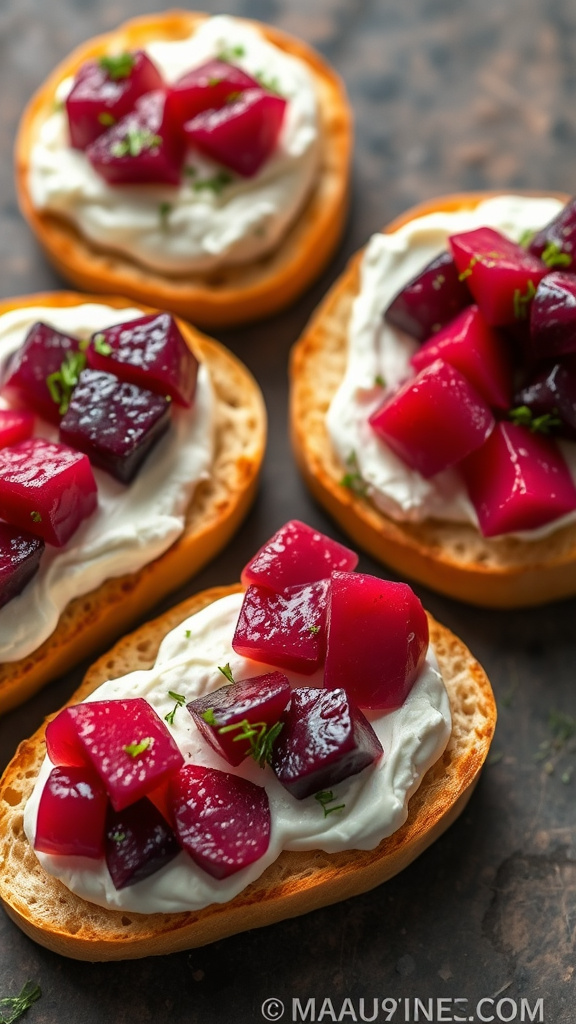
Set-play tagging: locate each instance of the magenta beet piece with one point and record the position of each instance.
(139, 841)
(46, 487)
(555, 244)
(501, 275)
(517, 481)
(15, 425)
(295, 555)
(139, 150)
(221, 820)
(71, 814)
(477, 351)
(20, 554)
(377, 639)
(553, 317)
(325, 739)
(550, 398)
(433, 420)
(33, 372)
(150, 352)
(242, 134)
(116, 424)
(286, 630)
(430, 300)
(206, 87)
(228, 715)
(62, 744)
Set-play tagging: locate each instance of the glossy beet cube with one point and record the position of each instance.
(517, 481)
(71, 814)
(32, 377)
(20, 554)
(477, 351)
(325, 739)
(430, 300)
(207, 87)
(555, 243)
(139, 841)
(46, 487)
(15, 425)
(285, 630)
(225, 716)
(501, 275)
(139, 150)
(295, 555)
(149, 352)
(115, 423)
(551, 393)
(242, 134)
(553, 317)
(62, 743)
(377, 639)
(434, 420)
(222, 821)
(127, 744)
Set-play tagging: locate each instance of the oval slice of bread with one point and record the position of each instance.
(234, 294)
(451, 558)
(219, 504)
(296, 883)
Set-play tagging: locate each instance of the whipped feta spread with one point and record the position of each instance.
(378, 351)
(413, 738)
(206, 227)
(132, 524)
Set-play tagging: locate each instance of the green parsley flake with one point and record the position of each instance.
(62, 382)
(227, 53)
(101, 346)
(165, 209)
(226, 671)
(35, 517)
(217, 184)
(135, 142)
(522, 301)
(325, 797)
(134, 749)
(180, 700)
(554, 256)
(106, 119)
(118, 66)
(523, 416)
(354, 480)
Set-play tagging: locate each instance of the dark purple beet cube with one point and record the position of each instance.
(206, 87)
(430, 300)
(71, 814)
(115, 423)
(138, 842)
(139, 150)
(555, 243)
(295, 555)
(325, 739)
(29, 377)
(553, 317)
(551, 393)
(150, 352)
(20, 554)
(285, 630)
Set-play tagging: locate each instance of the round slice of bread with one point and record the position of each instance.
(454, 559)
(234, 294)
(296, 883)
(219, 504)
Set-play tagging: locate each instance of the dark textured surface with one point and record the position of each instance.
(448, 95)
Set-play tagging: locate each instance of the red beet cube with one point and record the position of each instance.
(46, 486)
(325, 739)
(553, 317)
(430, 300)
(33, 376)
(221, 820)
(62, 744)
(71, 814)
(242, 134)
(285, 630)
(207, 87)
(139, 150)
(150, 352)
(15, 425)
(139, 842)
(517, 481)
(295, 555)
(20, 554)
(434, 420)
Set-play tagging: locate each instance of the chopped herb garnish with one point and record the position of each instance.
(118, 837)
(35, 517)
(134, 749)
(259, 737)
(314, 629)
(354, 479)
(523, 416)
(269, 82)
(526, 237)
(379, 380)
(215, 80)
(58, 106)
(215, 184)
(209, 716)
(522, 301)
(227, 53)
(12, 1007)
(226, 671)
(135, 142)
(233, 96)
(180, 700)
(553, 256)
(466, 273)
(325, 797)
(117, 66)
(106, 119)
(188, 632)
(101, 346)
(438, 281)
(165, 209)
(62, 382)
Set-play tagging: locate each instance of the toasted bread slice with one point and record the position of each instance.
(296, 883)
(451, 558)
(218, 506)
(234, 294)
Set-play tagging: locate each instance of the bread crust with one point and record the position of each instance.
(296, 883)
(234, 294)
(91, 622)
(453, 559)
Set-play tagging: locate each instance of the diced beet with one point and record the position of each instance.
(377, 639)
(555, 244)
(242, 134)
(501, 275)
(139, 841)
(295, 555)
(286, 630)
(71, 814)
(477, 351)
(128, 745)
(32, 376)
(139, 149)
(325, 739)
(221, 820)
(46, 487)
(553, 317)
(115, 423)
(517, 481)
(15, 425)
(551, 393)
(430, 300)
(20, 554)
(206, 87)
(433, 420)
(226, 715)
(150, 352)
(62, 744)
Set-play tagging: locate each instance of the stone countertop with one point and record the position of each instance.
(448, 95)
